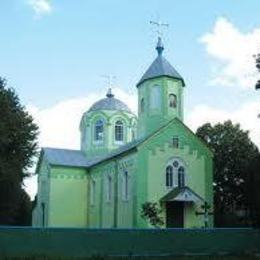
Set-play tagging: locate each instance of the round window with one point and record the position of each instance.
(175, 164)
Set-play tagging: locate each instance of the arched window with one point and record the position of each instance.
(125, 188)
(172, 100)
(142, 105)
(175, 173)
(169, 176)
(119, 131)
(155, 97)
(92, 192)
(181, 177)
(99, 130)
(109, 188)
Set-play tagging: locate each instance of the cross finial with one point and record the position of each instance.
(160, 26)
(110, 81)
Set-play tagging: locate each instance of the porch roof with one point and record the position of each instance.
(185, 194)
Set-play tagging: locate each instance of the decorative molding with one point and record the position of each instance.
(68, 176)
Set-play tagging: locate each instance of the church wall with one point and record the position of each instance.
(90, 146)
(126, 204)
(42, 196)
(96, 199)
(153, 118)
(159, 151)
(118, 211)
(68, 197)
(141, 187)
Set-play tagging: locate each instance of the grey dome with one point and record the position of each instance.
(160, 67)
(110, 103)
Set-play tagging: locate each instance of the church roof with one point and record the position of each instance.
(160, 67)
(66, 157)
(110, 103)
(76, 158)
(181, 194)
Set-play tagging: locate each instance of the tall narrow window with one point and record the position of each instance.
(43, 214)
(109, 188)
(169, 176)
(92, 192)
(155, 97)
(142, 105)
(172, 100)
(119, 131)
(181, 177)
(99, 130)
(125, 187)
(175, 142)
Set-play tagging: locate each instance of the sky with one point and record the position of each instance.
(54, 53)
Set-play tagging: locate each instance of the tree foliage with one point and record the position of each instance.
(151, 211)
(18, 145)
(234, 154)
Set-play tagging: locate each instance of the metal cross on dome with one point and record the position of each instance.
(110, 79)
(160, 25)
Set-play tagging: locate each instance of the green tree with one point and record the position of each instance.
(151, 211)
(18, 145)
(234, 154)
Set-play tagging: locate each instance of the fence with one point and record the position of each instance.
(64, 242)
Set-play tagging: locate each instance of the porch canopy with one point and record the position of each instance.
(184, 194)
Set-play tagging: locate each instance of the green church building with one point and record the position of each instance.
(126, 161)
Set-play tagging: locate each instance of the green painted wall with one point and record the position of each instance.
(153, 118)
(40, 216)
(68, 197)
(157, 151)
(118, 212)
(87, 126)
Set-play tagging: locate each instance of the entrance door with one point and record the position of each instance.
(174, 214)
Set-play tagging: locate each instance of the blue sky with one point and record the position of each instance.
(54, 53)
(61, 54)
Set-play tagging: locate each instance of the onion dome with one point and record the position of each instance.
(109, 103)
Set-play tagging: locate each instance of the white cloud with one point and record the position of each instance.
(40, 7)
(232, 52)
(246, 115)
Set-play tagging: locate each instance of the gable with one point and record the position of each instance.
(176, 128)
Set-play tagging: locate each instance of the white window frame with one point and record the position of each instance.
(102, 124)
(119, 126)
(174, 103)
(176, 164)
(169, 181)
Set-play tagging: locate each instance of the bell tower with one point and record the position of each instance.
(160, 94)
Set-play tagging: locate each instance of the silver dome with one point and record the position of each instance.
(110, 103)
